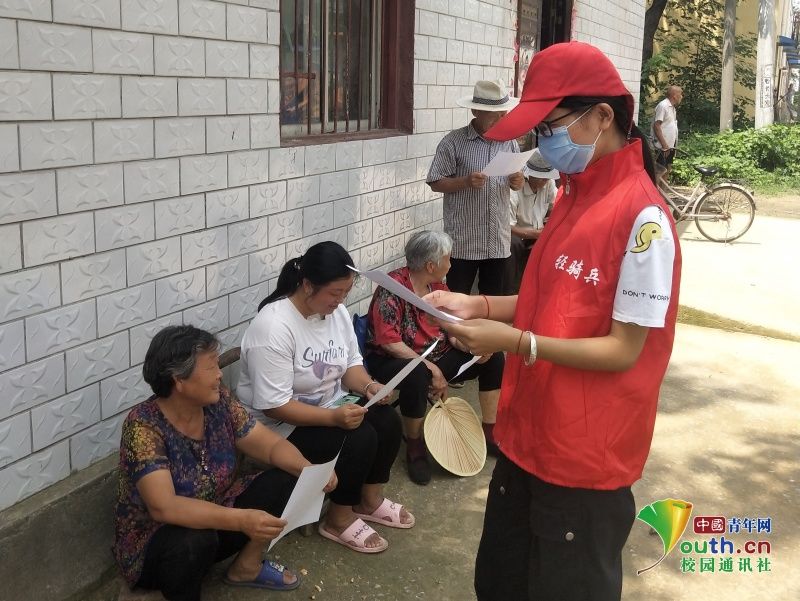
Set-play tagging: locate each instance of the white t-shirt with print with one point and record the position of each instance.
(645, 279)
(286, 356)
(666, 113)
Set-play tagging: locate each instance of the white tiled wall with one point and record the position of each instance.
(142, 184)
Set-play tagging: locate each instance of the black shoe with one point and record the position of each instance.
(419, 469)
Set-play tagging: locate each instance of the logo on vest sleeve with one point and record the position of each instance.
(644, 237)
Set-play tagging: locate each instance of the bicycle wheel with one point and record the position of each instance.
(726, 213)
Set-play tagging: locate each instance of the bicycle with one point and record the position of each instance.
(723, 212)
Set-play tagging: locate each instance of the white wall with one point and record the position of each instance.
(142, 184)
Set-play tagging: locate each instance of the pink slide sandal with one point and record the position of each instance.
(354, 537)
(388, 514)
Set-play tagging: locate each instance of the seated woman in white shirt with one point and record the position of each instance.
(300, 359)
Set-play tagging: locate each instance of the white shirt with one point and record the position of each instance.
(665, 113)
(286, 356)
(645, 277)
(529, 207)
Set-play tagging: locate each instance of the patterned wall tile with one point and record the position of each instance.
(247, 24)
(59, 330)
(121, 52)
(320, 159)
(57, 238)
(33, 473)
(248, 236)
(359, 234)
(57, 419)
(371, 256)
(98, 13)
(97, 360)
(86, 96)
(250, 167)
(124, 140)
(31, 385)
(227, 206)
(204, 173)
(15, 438)
(25, 96)
(55, 144)
(87, 188)
(92, 276)
(394, 248)
(122, 391)
(227, 276)
(9, 148)
(361, 180)
(143, 334)
(178, 137)
(383, 227)
(28, 292)
(10, 248)
(349, 155)
(404, 220)
(302, 192)
(346, 211)
(267, 199)
(180, 291)
(27, 196)
(124, 226)
(285, 227)
(286, 162)
(224, 134)
(150, 180)
(179, 56)
(334, 186)
(396, 148)
(266, 264)
(372, 205)
(202, 248)
(96, 443)
(180, 215)
(244, 303)
(374, 151)
(264, 61)
(154, 16)
(149, 97)
(212, 317)
(394, 199)
(9, 53)
(317, 219)
(247, 96)
(153, 260)
(12, 345)
(265, 131)
(202, 18)
(126, 308)
(226, 59)
(54, 47)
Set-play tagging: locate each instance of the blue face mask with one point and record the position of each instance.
(562, 153)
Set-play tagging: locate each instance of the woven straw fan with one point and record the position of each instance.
(454, 437)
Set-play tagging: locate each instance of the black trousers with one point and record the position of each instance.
(490, 272)
(515, 264)
(543, 542)
(413, 390)
(178, 558)
(366, 457)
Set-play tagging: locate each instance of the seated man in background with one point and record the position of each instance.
(529, 210)
(398, 332)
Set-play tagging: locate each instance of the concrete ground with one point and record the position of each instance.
(725, 440)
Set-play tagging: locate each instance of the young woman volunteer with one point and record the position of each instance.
(592, 333)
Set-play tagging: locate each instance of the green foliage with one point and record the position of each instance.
(767, 158)
(690, 56)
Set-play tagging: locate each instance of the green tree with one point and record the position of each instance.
(690, 56)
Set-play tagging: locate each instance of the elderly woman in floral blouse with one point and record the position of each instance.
(399, 332)
(181, 506)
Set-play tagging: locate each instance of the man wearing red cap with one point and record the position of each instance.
(593, 328)
(476, 207)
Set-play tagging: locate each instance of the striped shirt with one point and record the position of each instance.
(476, 220)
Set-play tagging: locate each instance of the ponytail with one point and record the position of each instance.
(647, 155)
(322, 264)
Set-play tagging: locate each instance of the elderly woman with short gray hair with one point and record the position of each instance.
(399, 332)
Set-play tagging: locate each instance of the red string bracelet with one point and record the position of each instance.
(519, 340)
(486, 300)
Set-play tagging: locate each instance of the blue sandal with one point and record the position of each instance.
(270, 577)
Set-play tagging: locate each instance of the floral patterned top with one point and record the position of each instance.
(201, 469)
(391, 319)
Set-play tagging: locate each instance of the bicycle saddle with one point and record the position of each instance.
(706, 171)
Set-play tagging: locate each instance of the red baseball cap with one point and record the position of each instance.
(559, 71)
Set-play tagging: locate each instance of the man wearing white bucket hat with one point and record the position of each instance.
(529, 209)
(476, 207)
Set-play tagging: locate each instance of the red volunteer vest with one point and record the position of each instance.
(571, 427)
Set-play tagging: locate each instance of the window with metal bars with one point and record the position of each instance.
(338, 67)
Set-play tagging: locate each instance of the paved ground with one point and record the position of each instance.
(725, 440)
